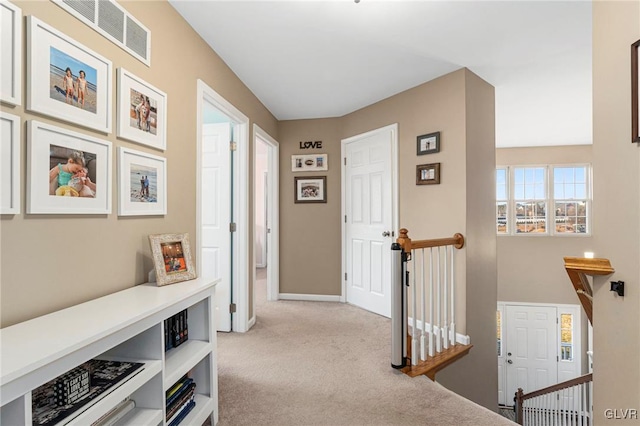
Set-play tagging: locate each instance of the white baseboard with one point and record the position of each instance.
(460, 338)
(251, 323)
(309, 297)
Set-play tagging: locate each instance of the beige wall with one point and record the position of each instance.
(520, 257)
(616, 173)
(51, 261)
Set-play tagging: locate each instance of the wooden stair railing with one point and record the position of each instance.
(571, 404)
(577, 269)
(431, 345)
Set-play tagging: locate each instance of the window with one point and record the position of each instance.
(566, 337)
(548, 200)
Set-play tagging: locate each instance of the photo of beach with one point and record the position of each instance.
(144, 184)
(143, 112)
(72, 82)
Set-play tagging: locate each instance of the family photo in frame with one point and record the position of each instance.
(172, 258)
(310, 189)
(142, 183)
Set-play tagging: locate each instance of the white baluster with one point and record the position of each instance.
(438, 306)
(583, 406)
(445, 290)
(414, 332)
(453, 299)
(431, 328)
(423, 290)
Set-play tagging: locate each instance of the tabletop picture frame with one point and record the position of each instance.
(172, 258)
(428, 144)
(67, 80)
(428, 174)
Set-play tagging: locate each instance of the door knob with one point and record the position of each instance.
(509, 361)
(386, 233)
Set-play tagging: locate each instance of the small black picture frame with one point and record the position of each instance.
(635, 92)
(428, 174)
(428, 144)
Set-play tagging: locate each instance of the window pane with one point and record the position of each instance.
(570, 217)
(569, 191)
(519, 175)
(558, 190)
(531, 217)
(566, 337)
(501, 213)
(501, 176)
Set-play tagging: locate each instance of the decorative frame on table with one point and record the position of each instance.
(11, 53)
(428, 144)
(635, 92)
(131, 111)
(172, 258)
(9, 163)
(142, 183)
(309, 162)
(428, 174)
(310, 189)
(49, 89)
(54, 155)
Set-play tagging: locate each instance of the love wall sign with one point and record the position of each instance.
(311, 145)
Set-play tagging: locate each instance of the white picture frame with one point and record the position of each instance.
(51, 92)
(51, 147)
(136, 199)
(130, 116)
(309, 162)
(10, 126)
(10, 53)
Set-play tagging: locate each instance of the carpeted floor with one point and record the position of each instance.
(321, 363)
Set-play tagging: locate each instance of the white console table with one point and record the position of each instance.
(128, 326)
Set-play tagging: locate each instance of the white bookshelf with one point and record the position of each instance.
(124, 326)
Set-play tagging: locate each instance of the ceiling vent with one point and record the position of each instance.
(109, 19)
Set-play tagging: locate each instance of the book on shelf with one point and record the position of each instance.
(116, 413)
(182, 399)
(178, 389)
(176, 330)
(183, 413)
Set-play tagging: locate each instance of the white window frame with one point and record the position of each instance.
(549, 200)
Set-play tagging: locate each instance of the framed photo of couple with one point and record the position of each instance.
(67, 80)
(142, 183)
(142, 111)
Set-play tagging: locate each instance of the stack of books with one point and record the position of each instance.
(180, 400)
(176, 330)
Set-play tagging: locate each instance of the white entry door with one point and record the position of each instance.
(368, 206)
(531, 348)
(216, 216)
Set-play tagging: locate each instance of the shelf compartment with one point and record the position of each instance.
(141, 416)
(202, 410)
(178, 361)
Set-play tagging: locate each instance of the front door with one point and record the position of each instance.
(369, 219)
(531, 348)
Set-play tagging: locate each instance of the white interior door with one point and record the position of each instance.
(216, 216)
(531, 348)
(368, 227)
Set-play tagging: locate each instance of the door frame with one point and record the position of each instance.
(561, 308)
(273, 215)
(240, 201)
(395, 219)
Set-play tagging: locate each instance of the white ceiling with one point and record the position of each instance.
(313, 59)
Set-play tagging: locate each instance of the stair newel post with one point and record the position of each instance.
(518, 400)
(398, 323)
(405, 243)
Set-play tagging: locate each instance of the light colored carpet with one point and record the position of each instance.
(317, 363)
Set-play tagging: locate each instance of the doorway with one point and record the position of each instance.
(222, 204)
(370, 211)
(266, 218)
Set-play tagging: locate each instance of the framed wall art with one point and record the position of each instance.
(67, 80)
(67, 172)
(308, 163)
(142, 183)
(9, 163)
(635, 92)
(172, 258)
(310, 189)
(428, 144)
(10, 53)
(142, 111)
(428, 174)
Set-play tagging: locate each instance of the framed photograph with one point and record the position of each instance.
(67, 172)
(429, 144)
(428, 174)
(142, 111)
(142, 183)
(172, 258)
(635, 92)
(310, 189)
(10, 53)
(9, 163)
(67, 80)
(307, 163)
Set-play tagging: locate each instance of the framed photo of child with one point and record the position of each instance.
(142, 183)
(67, 172)
(172, 258)
(142, 111)
(67, 80)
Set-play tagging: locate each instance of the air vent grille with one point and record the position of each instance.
(111, 20)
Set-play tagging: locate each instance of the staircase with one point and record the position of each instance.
(424, 272)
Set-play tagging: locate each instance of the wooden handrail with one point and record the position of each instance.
(521, 396)
(577, 268)
(407, 244)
